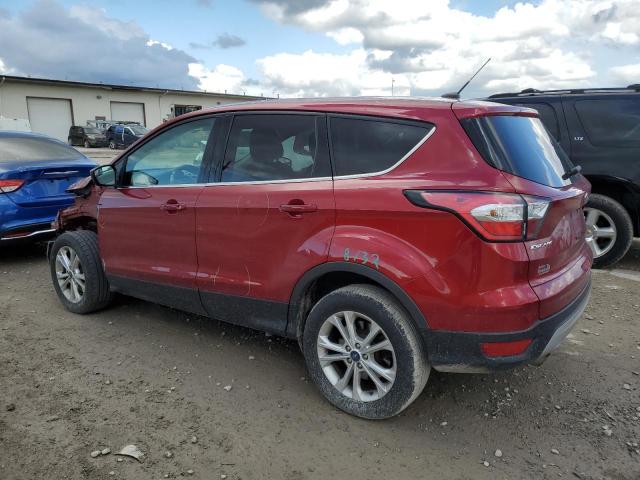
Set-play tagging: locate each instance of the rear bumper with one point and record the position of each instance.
(462, 352)
(32, 231)
(20, 223)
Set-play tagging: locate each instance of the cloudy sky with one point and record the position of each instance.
(325, 47)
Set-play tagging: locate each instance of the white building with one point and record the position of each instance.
(52, 106)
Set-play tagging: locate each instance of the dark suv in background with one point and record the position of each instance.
(121, 136)
(87, 137)
(600, 131)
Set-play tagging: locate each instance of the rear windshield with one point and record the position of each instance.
(91, 130)
(520, 146)
(33, 149)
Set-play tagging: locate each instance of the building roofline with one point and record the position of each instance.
(109, 86)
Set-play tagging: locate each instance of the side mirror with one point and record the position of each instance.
(104, 176)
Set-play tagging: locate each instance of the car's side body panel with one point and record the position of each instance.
(141, 240)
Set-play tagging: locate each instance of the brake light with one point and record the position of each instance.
(494, 216)
(8, 186)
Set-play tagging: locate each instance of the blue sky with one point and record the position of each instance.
(325, 47)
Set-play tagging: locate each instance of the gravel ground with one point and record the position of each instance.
(100, 155)
(206, 400)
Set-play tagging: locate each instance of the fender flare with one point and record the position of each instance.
(295, 323)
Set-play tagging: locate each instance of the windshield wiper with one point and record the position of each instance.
(574, 171)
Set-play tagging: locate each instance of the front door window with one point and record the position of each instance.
(172, 158)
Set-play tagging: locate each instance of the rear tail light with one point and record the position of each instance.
(8, 186)
(494, 216)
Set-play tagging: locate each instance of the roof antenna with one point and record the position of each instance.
(456, 95)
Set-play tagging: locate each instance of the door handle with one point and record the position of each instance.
(296, 209)
(172, 206)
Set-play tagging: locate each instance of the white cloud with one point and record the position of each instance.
(347, 35)
(4, 69)
(166, 46)
(313, 74)
(222, 78)
(98, 18)
(81, 43)
(627, 74)
(432, 47)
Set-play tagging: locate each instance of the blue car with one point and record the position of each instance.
(35, 172)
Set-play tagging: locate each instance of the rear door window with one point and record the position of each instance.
(611, 122)
(520, 146)
(372, 145)
(269, 147)
(547, 115)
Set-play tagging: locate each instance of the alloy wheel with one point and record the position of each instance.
(70, 275)
(601, 231)
(356, 356)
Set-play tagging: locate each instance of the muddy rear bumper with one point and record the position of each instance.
(462, 352)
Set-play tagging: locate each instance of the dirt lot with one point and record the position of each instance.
(154, 377)
(100, 155)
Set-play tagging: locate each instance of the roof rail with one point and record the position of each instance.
(569, 91)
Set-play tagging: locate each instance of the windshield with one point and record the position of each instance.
(520, 146)
(30, 149)
(138, 130)
(92, 131)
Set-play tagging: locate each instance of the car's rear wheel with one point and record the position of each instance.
(77, 273)
(364, 353)
(609, 230)
(70, 141)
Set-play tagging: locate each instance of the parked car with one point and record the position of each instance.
(87, 137)
(600, 131)
(388, 236)
(121, 136)
(35, 171)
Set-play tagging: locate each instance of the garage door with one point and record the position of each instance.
(127, 111)
(50, 116)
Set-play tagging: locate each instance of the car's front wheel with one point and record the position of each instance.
(609, 230)
(87, 144)
(112, 145)
(77, 273)
(364, 353)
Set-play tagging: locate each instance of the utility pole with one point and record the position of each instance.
(392, 82)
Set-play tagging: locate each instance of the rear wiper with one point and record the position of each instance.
(574, 171)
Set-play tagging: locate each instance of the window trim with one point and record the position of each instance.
(374, 118)
(211, 165)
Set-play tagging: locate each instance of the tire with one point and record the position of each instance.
(369, 305)
(112, 145)
(87, 144)
(69, 141)
(94, 291)
(611, 236)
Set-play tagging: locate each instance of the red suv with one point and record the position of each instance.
(387, 236)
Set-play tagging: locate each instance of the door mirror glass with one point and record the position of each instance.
(104, 176)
